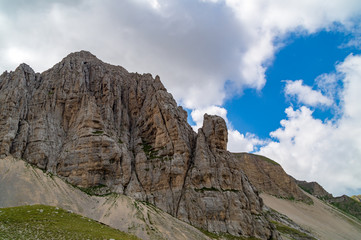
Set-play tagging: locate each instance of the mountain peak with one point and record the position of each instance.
(95, 124)
(81, 55)
(25, 68)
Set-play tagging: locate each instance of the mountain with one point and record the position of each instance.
(347, 204)
(269, 177)
(322, 220)
(314, 189)
(24, 184)
(100, 127)
(357, 198)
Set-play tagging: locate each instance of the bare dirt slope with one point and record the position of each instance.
(324, 221)
(22, 184)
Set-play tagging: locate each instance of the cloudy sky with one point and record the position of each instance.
(286, 75)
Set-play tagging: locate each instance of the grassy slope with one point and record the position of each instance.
(350, 206)
(258, 156)
(45, 222)
(357, 198)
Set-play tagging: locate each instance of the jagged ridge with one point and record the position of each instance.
(269, 177)
(96, 124)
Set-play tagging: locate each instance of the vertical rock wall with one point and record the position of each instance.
(96, 124)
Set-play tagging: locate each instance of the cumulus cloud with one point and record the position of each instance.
(197, 115)
(195, 46)
(305, 95)
(328, 152)
(239, 142)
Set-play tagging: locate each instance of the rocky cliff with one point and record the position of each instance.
(269, 177)
(95, 124)
(357, 198)
(314, 189)
(347, 204)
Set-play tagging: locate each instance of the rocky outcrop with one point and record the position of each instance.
(347, 204)
(357, 198)
(21, 184)
(314, 189)
(95, 124)
(269, 177)
(218, 196)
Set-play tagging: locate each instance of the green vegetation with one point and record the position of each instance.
(45, 222)
(99, 190)
(357, 198)
(153, 207)
(225, 236)
(305, 188)
(267, 159)
(348, 205)
(149, 151)
(293, 233)
(98, 132)
(258, 156)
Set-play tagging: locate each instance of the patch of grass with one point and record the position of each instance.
(306, 189)
(149, 151)
(258, 156)
(357, 198)
(209, 234)
(225, 236)
(45, 222)
(293, 233)
(348, 205)
(99, 190)
(267, 159)
(290, 198)
(151, 206)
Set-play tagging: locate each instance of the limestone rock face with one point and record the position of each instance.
(314, 188)
(269, 177)
(97, 124)
(215, 131)
(218, 195)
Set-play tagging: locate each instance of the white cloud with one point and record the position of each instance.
(195, 46)
(238, 142)
(328, 152)
(304, 94)
(197, 115)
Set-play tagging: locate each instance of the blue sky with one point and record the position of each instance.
(285, 75)
(304, 57)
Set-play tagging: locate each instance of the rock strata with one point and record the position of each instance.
(314, 189)
(269, 177)
(96, 124)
